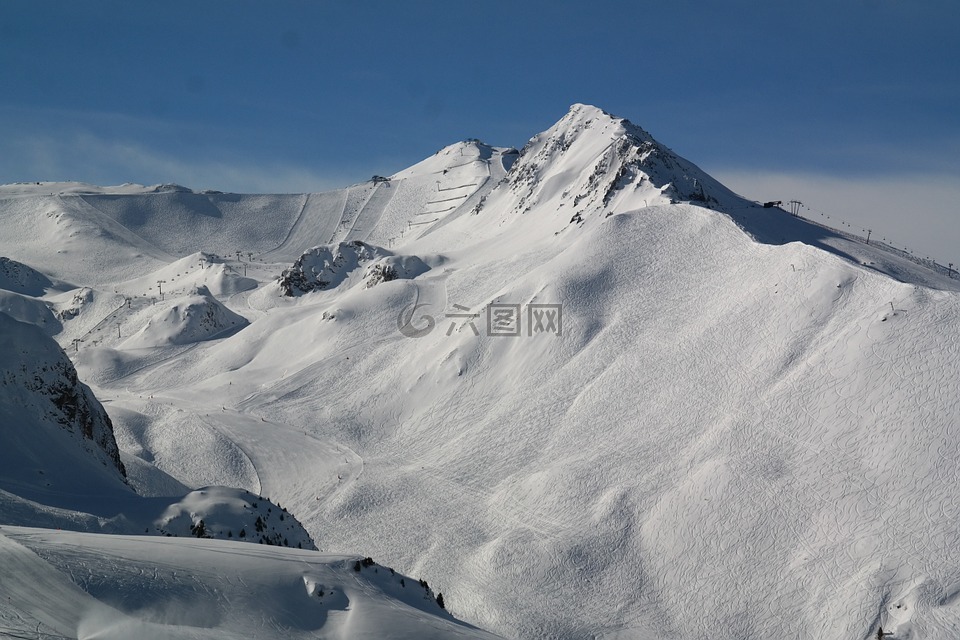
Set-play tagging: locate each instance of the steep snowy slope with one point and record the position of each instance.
(591, 160)
(716, 411)
(713, 418)
(30, 310)
(60, 463)
(59, 459)
(54, 430)
(23, 279)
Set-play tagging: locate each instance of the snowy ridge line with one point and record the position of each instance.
(745, 217)
(906, 252)
(489, 182)
(884, 243)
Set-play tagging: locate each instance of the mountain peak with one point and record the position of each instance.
(590, 116)
(458, 154)
(591, 160)
(580, 108)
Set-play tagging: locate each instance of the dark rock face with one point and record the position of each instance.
(39, 388)
(327, 266)
(18, 277)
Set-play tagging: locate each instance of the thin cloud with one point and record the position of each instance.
(85, 157)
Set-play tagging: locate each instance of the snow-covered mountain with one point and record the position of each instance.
(593, 393)
(591, 161)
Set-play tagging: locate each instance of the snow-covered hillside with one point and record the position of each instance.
(60, 467)
(593, 393)
(60, 584)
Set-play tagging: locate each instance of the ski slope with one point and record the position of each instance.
(747, 424)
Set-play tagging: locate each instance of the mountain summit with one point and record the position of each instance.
(591, 162)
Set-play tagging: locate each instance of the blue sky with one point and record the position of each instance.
(851, 106)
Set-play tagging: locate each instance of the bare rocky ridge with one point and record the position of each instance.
(327, 266)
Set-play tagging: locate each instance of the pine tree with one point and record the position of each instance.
(440, 601)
